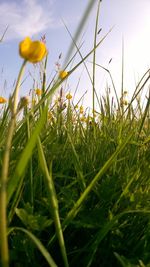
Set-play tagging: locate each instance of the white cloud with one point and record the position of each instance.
(26, 18)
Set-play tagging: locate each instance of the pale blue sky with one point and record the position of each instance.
(34, 18)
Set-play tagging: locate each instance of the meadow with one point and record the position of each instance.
(75, 183)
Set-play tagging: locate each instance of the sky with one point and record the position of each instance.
(34, 18)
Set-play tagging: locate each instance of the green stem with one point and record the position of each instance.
(4, 175)
(122, 77)
(53, 202)
(94, 57)
(16, 91)
(30, 165)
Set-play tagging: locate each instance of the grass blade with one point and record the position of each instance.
(53, 201)
(25, 157)
(73, 212)
(38, 244)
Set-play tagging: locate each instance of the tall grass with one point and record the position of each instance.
(75, 184)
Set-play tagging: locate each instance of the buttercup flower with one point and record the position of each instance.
(50, 115)
(38, 91)
(68, 96)
(63, 74)
(81, 109)
(2, 100)
(33, 51)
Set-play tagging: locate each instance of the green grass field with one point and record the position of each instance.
(75, 184)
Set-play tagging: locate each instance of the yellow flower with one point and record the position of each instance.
(33, 51)
(63, 74)
(2, 100)
(38, 91)
(68, 96)
(81, 109)
(50, 115)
